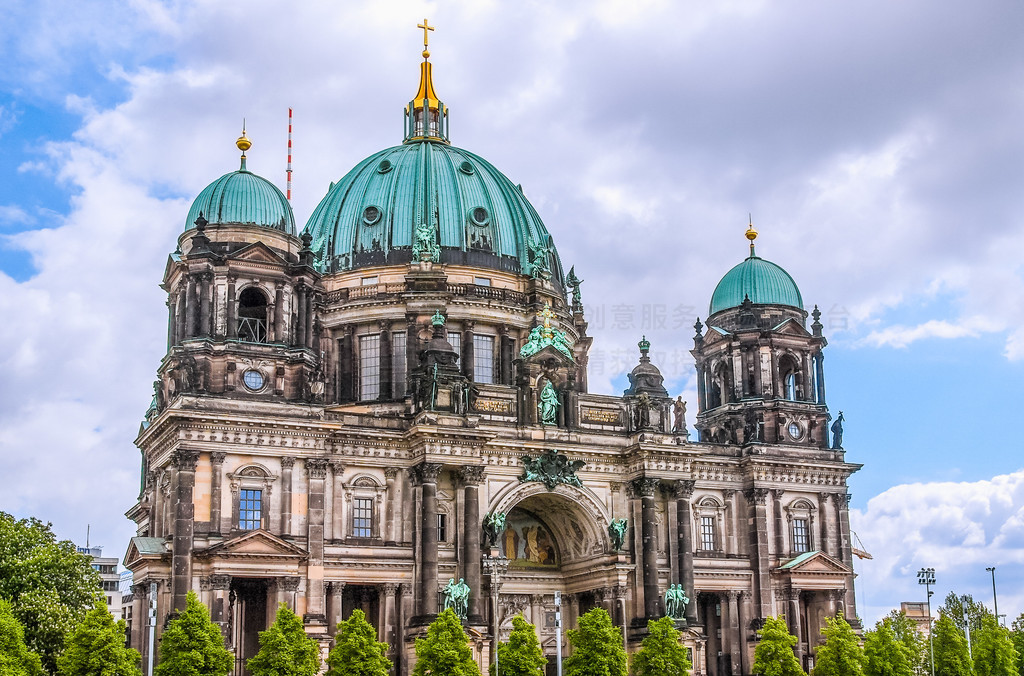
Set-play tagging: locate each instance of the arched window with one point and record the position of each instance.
(252, 315)
(791, 380)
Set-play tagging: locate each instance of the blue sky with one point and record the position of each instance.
(876, 145)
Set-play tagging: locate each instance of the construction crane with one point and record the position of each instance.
(858, 547)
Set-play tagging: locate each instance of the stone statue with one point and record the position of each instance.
(494, 526)
(642, 412)
(548, 405)
(617, 533)
(573, 282)
(456, 597)
(551, 469)
(675, 602)
(837, 432)
(424, 248)
(540, 252)
(158, 395)
(679, 415)
(750, 427)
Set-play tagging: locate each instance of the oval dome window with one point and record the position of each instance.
(384, 167)
(371, 215)
(479, 216)
(466, 167)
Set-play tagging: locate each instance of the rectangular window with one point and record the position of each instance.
(369, 367)
(369, 281)
(482, 281)
(362, 518)
(398, 364)
(483, 359)
(250, 509)
(442, 528)
(707, 533)
(455, 338)
(801, 542)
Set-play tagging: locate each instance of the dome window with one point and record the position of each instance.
(253, 380)
(384, 166)
(371, 215)
(466, 168)
(479, 216)
(252, 315)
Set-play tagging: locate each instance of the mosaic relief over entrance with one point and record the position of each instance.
(527, 542)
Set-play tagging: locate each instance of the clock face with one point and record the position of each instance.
(253, 380)
(794, 430)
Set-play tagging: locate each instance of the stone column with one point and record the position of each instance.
(390, 474)
(184, 526)
(646, 487)
(426, 601)
(471, 477)
(405, 613)
(205, 309)
(506, 355)
(793, 620)
(729, 541)
(389, 627)
(683, 492)
(337, 501)
(346, 366)
(819, 372)
(386, 360)
(744, 622)
(181, 307)
(467, 349)
(780, 542)
(337, 589)
(734, 630)
(299, 330)
(221, 585)
(702, 404)
(287, 588)
(287, 463)
(824, 542)
(758, 519)
(231, 313)
(171, 321)
(310, 309)
(846, 551)
(192, 308)
(536, 610)
(316, 470)
(278, 333)
(140, 618)
(216, 477)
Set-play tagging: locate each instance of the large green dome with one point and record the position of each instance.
(479, 216)
(244, 198)
(764, 282)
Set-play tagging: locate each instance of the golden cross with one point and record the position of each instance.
(546, 314)
(426, 27)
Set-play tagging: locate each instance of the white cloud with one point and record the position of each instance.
(902, 336)
(12, 214)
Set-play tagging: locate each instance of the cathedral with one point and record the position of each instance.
(392, 403)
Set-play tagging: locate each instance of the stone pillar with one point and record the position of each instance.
(780, 541)
(171, 321)
(316, 471)
(744, 622)
(205, 309)
(346, 366)
(216, 479)
(467, 349)
(471, 477)
(819, 372)
(824, 542)
(337, 589)
(337, 501)
(734, 630)
(184, 526)
(412, 344)
(758, 519)
(390, 474)
(646, 487)
(386, 363)
(192, 309)
(426, 601)
(231, 313)
(684, 534)
(310, 310)
(287, 588)
(278, 334)
(846, 552)
(506, 355)
(221, 585)
(181, 307)
(287, 464)
(793, 620)
(140, 617)
(702, 403)
(729, 541)
(405, 613)
(389, 627)
(299, 330)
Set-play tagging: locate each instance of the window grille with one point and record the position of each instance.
(801, 541)
(707, 533)
(369, 367)
(250, 512)
(483, 359)
(398, 364)
(442, 527)
(362, 518)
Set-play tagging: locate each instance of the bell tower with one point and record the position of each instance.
(760, 375)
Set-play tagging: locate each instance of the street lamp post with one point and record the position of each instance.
(995, 601)
(495, 565)
(967, 625)
(926, 576)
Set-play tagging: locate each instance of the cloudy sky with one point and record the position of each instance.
(877, 145)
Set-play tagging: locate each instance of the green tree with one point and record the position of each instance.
(841, 655)
(884, 652)
(950, 646)
(96, 648)
(597, 648)
(955, 606)
(661, 653)
(192, 645)
(15, 657)
(285, 649)
(994, 654)
(1018, 642)
(356, 651)
(445, 649)
(49, 584)
(774, 653)
(521, 655)
(911, 637)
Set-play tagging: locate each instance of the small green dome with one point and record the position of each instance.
(764, 282)
(478, 215)
(245, 198)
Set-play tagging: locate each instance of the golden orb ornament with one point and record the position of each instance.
(243, 142)
(751, 233)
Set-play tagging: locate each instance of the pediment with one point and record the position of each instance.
(144, 548)
(258, 252)
(791, 327)
(548, 352)
(814, 563)
(255, 544)
(715, 335)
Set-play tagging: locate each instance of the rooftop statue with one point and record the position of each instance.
(837, 432)
(424, 248)
(573, 282)
(540, 253)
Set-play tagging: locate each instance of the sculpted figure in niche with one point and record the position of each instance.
(617, 533)
(548, 406)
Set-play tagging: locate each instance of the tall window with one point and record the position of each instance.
(455, 338)
(707, 533)
(362, 518)
(483, 359)
(369, 367)
(791, 386)
(250, 509)
(801, 540)
(398, 364)
(442, 527)
(252, 315)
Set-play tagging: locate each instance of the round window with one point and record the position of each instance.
(384, 167)
(371, 215)
(479, 216)
(794, 430)
(253, 380)
(466, 167)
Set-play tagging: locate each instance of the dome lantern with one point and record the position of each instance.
(756, 279)
(426, 117)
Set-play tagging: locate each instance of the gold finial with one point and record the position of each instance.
(751, 234)
(243, 141)
(426, 27)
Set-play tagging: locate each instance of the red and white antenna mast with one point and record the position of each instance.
(289, 170)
